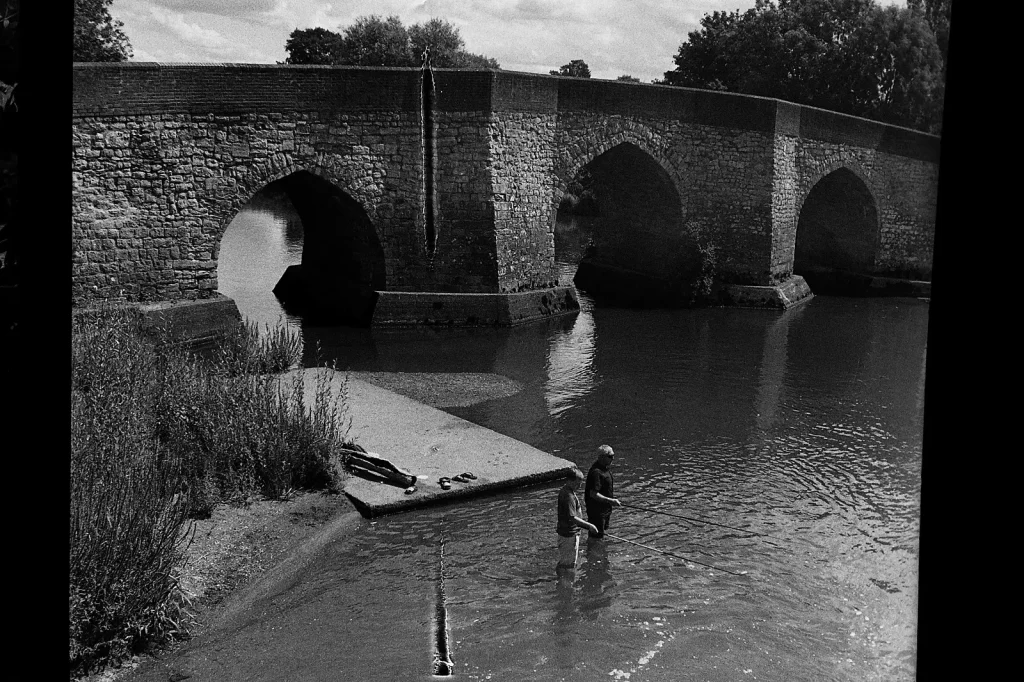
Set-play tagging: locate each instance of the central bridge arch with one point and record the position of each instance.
(635, 220)
(625, 196)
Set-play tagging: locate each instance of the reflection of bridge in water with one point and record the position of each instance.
(438, 206)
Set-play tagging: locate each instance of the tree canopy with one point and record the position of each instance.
(577, 68)
(376, 41)
(98, 37)
(313, 46)
(851, 56)
(372, 41)
(936, 13)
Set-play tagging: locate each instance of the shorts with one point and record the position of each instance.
(568, 549)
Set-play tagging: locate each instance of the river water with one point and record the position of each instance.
(802, 428)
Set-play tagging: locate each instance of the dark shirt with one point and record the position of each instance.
(568, 507)
(599, 479)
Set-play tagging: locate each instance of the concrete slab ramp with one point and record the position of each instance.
(431, 444)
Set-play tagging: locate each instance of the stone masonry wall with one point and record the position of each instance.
(785, 206)
(464, 256)
(164, 156)
(898, 166)
(721, 176)
(522, 132)
(524, 211)
(154, 192)
(155, 195)
(906, 213)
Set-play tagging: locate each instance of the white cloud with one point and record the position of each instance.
(614, 37)
(225, 8)
(194, 34)
(141, 55)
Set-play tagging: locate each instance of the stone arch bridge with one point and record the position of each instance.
(431, 196)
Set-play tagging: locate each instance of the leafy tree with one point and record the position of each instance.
(937, 14)
(98, 38)
(577, 68)
(908, 71)
(441, 39)
(468, 60)
(373, 41)
(627, 78)
(313, 46)
(851, 56)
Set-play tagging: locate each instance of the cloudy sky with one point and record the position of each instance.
(614, 37)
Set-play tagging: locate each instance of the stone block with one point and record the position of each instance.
(782, 296)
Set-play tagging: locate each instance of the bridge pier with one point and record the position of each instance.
(785, 295)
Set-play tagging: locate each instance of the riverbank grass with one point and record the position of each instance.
(159, 436)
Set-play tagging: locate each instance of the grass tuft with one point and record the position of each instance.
(159, 437)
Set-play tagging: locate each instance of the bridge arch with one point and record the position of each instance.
(632, 224)
(838, 226)
(257, 177)
(343, 260)
(579, 150)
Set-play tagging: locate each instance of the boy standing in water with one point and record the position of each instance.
(570, 520)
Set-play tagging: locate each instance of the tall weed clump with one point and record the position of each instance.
(159, 436)
(243, 429)
(696, 271)
(127, 533)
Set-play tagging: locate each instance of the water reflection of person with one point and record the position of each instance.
(570, 521)
(596, 579)
(565, 630)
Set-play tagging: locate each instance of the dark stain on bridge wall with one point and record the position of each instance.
(427, 99)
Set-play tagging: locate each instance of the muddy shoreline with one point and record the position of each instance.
(239, 554)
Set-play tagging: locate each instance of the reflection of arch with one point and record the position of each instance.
(838, 226)
(570, 366)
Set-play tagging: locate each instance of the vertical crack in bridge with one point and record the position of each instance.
(427, 96)
(443, 665)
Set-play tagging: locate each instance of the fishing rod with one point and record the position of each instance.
(661, 551)
(688, 518)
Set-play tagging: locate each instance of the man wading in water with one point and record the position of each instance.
(600, 492)
(570, 520)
